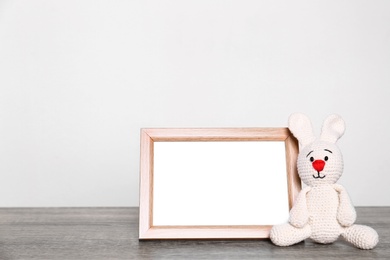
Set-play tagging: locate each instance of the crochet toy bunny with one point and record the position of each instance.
(323, 210)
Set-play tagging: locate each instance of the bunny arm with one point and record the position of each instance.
(299, 215)
(346, 214)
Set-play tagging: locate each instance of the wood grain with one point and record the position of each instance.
(293, 180)
(112, 233)
(217, 134)
(146, 183)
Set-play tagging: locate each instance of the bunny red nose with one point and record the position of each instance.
(318, 165)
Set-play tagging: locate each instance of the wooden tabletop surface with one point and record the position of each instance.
(112, 233)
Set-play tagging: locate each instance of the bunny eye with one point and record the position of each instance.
(311, 159)
(326, 158)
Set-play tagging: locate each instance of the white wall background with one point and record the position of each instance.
(78, 79)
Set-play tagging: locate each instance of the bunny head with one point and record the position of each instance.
(319, 160)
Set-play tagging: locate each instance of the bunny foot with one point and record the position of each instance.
(287, 235)
(362, 237)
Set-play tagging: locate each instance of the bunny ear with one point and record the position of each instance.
(300, 125)
(332, 129)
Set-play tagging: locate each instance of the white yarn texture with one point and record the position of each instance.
(323, 210)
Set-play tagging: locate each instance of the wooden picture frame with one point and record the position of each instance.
(147, 228)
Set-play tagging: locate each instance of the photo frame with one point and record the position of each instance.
(170, 187)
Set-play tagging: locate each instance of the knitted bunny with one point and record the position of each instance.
(322, 211)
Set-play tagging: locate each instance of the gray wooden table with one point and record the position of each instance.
(112, 233)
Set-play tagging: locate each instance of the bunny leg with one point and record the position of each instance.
(287, 235)
(361, 236)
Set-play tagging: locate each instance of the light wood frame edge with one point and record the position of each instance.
(150, 135)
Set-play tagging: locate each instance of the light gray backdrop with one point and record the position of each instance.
(78, 79)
